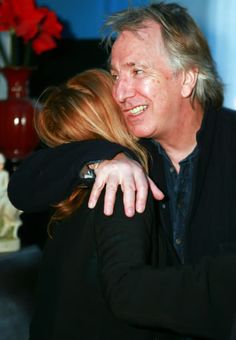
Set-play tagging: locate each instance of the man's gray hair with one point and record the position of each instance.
(184, 42)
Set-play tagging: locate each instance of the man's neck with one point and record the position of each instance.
(182, 140)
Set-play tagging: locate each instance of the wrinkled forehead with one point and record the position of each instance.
(149, 30)
(132, 46)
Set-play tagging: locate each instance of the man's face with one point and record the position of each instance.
(145, 88)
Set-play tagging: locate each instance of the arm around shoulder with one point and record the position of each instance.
(49, 175)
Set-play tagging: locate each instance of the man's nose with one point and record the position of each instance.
(122, 90)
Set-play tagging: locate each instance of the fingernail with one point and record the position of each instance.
(91, 204)
(107, 211)
(140, 208)
(130, 212)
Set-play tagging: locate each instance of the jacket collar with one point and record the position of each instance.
(205, 139)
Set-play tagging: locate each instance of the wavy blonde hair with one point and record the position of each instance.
(83, 109)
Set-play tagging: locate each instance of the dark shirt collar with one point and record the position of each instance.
(162, 152)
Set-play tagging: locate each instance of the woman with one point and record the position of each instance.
(73, 296)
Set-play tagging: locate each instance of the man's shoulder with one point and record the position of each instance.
(227, 114)
(226, 127)
(224, 120)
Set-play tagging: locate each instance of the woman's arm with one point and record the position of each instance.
(190, 300)
(48, 175)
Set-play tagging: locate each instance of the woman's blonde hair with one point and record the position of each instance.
(83, 109)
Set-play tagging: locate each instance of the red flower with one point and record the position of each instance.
(43, 43)
(6, 16)
(38, 26)
(14, 13)
(28, 29)
(49, 28)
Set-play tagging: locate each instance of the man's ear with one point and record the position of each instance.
(189, 82)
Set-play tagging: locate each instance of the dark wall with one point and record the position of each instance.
(70, 57)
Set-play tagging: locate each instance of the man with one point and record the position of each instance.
(169, 93)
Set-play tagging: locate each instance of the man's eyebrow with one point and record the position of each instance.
(130, 64)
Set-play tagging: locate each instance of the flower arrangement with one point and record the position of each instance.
(31, 29)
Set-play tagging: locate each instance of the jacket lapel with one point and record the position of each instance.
(205, 139)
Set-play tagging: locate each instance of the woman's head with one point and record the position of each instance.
(83, 109)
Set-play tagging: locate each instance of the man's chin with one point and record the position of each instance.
(139, 133)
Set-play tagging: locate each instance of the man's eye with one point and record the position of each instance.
(138, 71)
(114, 76)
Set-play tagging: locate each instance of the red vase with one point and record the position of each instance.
(18, 137)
